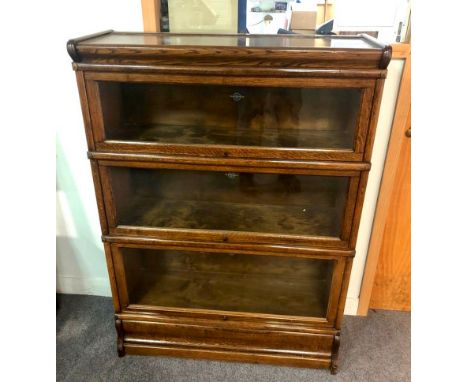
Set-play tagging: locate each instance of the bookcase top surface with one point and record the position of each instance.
(112, 38)
(133, 51)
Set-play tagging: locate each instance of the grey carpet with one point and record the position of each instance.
(374, 348)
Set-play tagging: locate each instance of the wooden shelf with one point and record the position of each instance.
(249, 116)
(238, 283)
(214, 200)
(321, 135)
(194, 214)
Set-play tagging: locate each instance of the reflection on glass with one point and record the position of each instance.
(233, 40)
(228, 115)
(270, 203)
(230, 282)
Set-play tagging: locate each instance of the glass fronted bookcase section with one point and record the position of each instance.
(226, 282)
(303, 122)
(276, 207)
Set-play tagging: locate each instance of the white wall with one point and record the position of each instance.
(371, 15)
(81, 266)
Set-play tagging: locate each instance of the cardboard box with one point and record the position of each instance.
(303, 21)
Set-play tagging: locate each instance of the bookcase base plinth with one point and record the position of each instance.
(231, 342)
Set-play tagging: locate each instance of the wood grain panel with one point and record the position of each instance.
(228, 282)
(226, 247)
(151, 15)
(401, 122)
(392, 284)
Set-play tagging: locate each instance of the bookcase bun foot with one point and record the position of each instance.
(334, 357)
(120, 338)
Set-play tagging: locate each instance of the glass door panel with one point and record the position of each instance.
(228, 282)
(234, 201)
(306, 118)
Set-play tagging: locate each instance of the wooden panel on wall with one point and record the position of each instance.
(325, 12)
(392, 283)
(151, 15)
(390, 176)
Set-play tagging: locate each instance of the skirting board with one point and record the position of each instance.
(97, 286)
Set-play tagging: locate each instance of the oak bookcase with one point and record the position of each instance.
(230, 173)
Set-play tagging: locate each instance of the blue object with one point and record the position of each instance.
(281, 5)
(325, 28)
(242, 16)
(284, 31)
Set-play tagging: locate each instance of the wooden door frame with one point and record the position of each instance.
(399, 126)
(151, 10)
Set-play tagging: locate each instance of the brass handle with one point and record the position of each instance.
(236, 96)
(408, 133)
